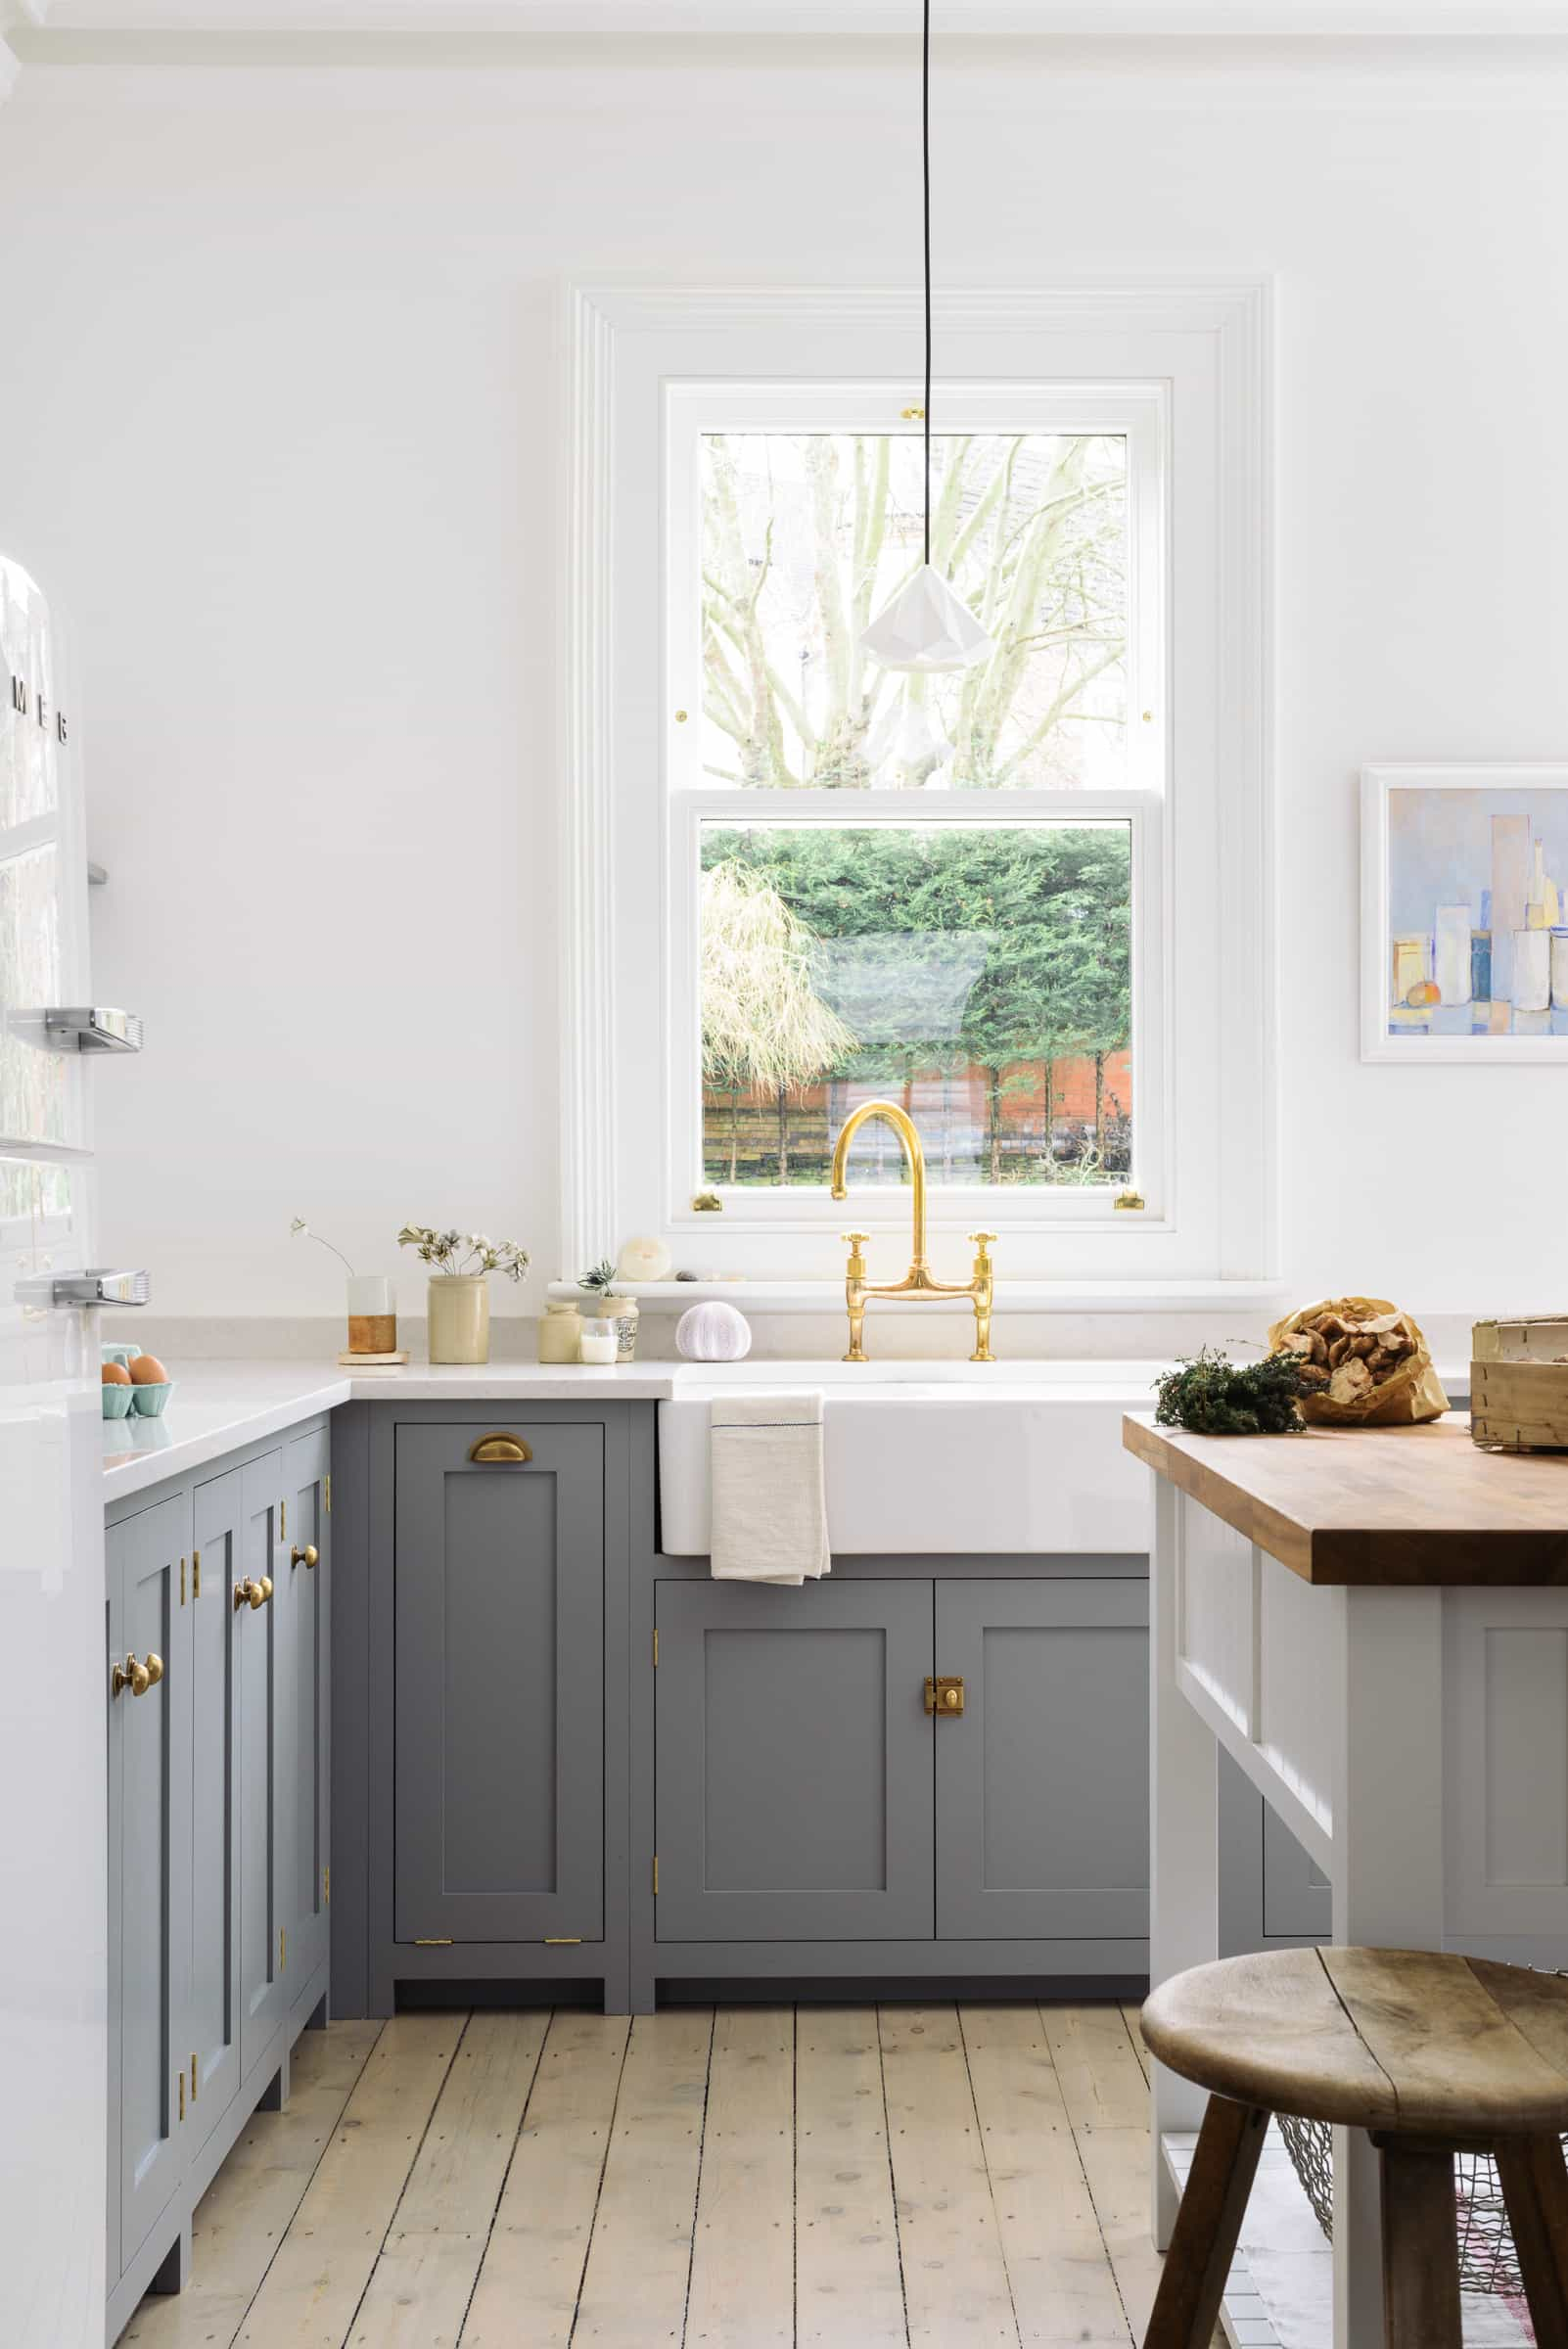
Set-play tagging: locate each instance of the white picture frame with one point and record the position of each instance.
(1440, 844)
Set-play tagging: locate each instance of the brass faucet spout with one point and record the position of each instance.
(903, 1126)
(917, 1282)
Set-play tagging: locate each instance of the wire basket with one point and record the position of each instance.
(1488, 2261)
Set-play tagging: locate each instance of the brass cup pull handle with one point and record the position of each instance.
(308, 1556)
(499, 1451)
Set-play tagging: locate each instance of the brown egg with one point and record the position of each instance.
(148, 1371)
(115, 1374)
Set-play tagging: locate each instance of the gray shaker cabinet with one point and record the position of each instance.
(149, 1889)
(1043, 1806)
(794, 1762)
(217, 1799)
(499, 1728)
(216, 1630)
(303, 1600)
(806, 1794)
(258, 1649)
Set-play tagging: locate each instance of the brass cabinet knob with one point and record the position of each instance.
(153, 1669)
(137, 1678)
(308, 1556)
(265, 1588)
(119, 1678)
(951, 1699)
(252, 1593)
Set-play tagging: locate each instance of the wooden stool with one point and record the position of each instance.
(1433, 2056)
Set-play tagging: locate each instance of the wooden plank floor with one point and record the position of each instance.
(747, 2178)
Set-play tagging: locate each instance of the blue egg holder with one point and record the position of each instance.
(148, 1403)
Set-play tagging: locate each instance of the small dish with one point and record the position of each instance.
(149, 1400)
(117, 1402)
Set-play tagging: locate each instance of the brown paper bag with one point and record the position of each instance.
(1410, 1393)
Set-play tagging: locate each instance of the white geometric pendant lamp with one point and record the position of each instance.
(926, 627)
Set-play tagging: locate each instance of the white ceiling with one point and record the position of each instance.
(1134, 18)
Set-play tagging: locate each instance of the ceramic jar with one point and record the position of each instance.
(459, 1317)
(559, 1333)
(624, 1313)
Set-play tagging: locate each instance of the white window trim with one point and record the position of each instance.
(616, 342)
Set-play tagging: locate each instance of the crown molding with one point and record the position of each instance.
(812, 19)
(1527, 70)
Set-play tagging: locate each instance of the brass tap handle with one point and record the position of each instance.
(856, 1269)
(857, 1239)
(308, 1556)
(982, 1239)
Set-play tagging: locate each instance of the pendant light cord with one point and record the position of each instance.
(925, 183)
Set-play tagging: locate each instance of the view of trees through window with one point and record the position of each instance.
(977, 973)
(806, 535)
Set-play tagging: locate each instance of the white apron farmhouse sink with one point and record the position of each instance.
(933, 1459)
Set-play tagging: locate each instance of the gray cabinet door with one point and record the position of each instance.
(794, 1792)
(499, 1720)
(302, 1629)
(215, 1631)
(1042, 1782)
(150, 1752)
(262, 1949)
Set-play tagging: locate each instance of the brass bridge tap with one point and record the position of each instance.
(917, 1282)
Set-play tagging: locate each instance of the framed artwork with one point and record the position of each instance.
(1464, 913)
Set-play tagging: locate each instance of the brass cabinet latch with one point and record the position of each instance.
(946, 1696)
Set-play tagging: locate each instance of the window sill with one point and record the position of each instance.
(1012, 1296)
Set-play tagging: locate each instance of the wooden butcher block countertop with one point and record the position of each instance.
(1405, 1505)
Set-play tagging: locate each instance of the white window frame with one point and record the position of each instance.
(1183, 372)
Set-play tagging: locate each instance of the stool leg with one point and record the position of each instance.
(1214, 2202)
(1420, 2249)
(1535, 2187)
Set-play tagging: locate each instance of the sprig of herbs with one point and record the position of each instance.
(1209, 1394)
(599, 1277)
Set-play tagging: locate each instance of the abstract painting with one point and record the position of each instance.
(1464, 913)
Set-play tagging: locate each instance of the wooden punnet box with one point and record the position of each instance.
(1519, 1384)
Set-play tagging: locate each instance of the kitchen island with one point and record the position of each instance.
(1374, 1624)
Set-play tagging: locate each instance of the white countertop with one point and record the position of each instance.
(216, 1406)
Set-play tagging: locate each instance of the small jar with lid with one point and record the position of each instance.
(624, 1313)
(559, 1333)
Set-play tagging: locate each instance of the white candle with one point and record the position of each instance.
(598, 1343)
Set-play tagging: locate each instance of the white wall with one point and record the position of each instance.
(276, 421)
